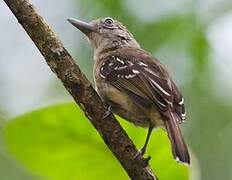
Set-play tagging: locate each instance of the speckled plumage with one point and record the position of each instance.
(136, 85)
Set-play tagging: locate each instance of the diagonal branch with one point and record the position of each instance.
(62, 64)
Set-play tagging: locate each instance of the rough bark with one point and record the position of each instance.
(63, 65)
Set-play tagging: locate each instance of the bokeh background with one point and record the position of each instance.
(192, 38)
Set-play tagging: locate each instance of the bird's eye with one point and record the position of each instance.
(109, 21)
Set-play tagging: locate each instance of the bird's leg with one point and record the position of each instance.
(143, 149)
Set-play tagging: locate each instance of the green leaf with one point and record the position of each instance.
(59, 143)
(9, 169)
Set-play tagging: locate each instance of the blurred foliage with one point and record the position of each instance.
(59, 143)
(9, 168)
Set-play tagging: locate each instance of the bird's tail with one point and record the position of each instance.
(179, 148)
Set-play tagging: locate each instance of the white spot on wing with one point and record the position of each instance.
(142, 64)
(119, 60)
(130, 63)
(181, 102)
(110, 64)
(159, 87)
(102, 76)
(161, 104)
(130, 76)
(135, 71)
(183, 115)
(120, 68)
(151, 72)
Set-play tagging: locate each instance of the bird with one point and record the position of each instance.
(135, 85)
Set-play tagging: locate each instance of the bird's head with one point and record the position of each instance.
(105, 33)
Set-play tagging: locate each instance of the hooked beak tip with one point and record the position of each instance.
(84, 27)
(71, 20)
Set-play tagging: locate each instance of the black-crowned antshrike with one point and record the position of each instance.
(134, 84)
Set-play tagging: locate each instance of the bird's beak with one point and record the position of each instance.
(84, 27)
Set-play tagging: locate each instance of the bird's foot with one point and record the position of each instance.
(140, 154)
(108, 112)
(146, 160)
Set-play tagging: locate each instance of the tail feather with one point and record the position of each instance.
(179, 148)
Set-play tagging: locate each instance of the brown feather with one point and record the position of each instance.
(179, 148)
(148, 85)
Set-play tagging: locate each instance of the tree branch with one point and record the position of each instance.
(63, 65)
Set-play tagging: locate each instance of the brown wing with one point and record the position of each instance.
(178, 103)
(147, 82)
(141, 77)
